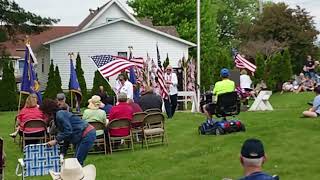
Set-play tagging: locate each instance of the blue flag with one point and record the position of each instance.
(30, 83)
(74, 86)
(133, 80)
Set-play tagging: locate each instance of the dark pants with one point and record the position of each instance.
(171, 105)
(83, 147)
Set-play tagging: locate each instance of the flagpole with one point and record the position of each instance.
(198, 52)
(71, 96)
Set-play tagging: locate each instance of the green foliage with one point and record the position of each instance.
(57, 80)
(51, 89)
(166, 62)
(291, 28)
(17, 20)
(8, 88)
(260, 71)
(100, 81)
(81, 80)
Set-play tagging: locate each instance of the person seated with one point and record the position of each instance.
(287, 87)
(245, 81)
(150, 100)
(135, 107)
(224, 86)
(61, 98)
(252, 157)
(315, 110)
(120, 111)
(30, 112)
(307, 85)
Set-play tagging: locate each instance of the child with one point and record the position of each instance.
(315, 110)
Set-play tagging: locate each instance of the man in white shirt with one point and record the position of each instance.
(245, 81)
(124, 86)
(171, 81)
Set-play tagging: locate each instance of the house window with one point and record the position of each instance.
(42, 65)
(110, 19)
(123, 54)
(21, 65)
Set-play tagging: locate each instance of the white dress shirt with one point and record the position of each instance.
(245, 81)
(172, 87)
(127, 88)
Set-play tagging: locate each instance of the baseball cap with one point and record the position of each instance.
(224, 72)
(61, 96)
(252, 149)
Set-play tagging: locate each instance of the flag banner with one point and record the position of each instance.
(30, 83)
(160, 75)
(242, 63)
(109, 65)
(75, 86)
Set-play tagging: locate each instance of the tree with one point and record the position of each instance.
(81, 80)
(261, 67)
(100, 81)
(50, 91)
(8, 88)
(57, 80)
(166, 62)
(15, 19)
(294, 28)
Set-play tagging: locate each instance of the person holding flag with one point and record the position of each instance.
(124, 86)
(171, 81)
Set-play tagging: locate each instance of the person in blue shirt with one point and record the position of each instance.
(252, 158)
(71, 128)
(315, 110)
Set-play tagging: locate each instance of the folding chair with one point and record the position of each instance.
(137, 124)
(38, 160)
(2, 159)
(153, 129)
(118, 124)
(101, 139)
(36, 123)
(153, 110)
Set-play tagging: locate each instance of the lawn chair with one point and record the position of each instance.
(37, 123)
(116, 140)
(153, 110)
(99, 126)
(2, 159)
(153, 129)
(38, 160)
(137, 124)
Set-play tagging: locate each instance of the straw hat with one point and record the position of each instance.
(72, 170)
(95, 102)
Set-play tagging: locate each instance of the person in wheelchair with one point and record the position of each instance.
(224, 86)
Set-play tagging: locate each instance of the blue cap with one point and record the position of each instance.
(224, 73)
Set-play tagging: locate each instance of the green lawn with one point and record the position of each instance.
(292, 145)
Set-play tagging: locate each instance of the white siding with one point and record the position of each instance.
(112, 12)
(43, 57)
(112, 39)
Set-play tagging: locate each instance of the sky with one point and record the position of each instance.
(72, 12)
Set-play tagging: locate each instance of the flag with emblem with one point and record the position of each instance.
(75, 86)
(30, 83)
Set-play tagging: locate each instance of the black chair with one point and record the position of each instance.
(228, 104)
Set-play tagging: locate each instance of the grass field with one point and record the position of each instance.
(292, 145)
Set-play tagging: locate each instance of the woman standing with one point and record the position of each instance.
(71, 128)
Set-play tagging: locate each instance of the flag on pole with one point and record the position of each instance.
(133, 80)
(242, 63)
(75, 86)
(30, 83)
(160, 75)
(109, 65)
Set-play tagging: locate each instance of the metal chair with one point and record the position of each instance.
(154, 129)
(2, 159)
(38, 159)
(117, 124)
(137, 124)
(153, 110)
(99, 126)
(35, 123)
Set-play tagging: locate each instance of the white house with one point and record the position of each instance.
(110, 29)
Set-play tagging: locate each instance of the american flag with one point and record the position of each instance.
(109, 65)
(242, 63)
(161, 81)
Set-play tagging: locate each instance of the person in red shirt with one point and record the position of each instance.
(30, 112)
(120, 111)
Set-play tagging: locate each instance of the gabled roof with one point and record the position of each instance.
(166, 29)
(97, 13)
(129, 22)
(36, 40)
